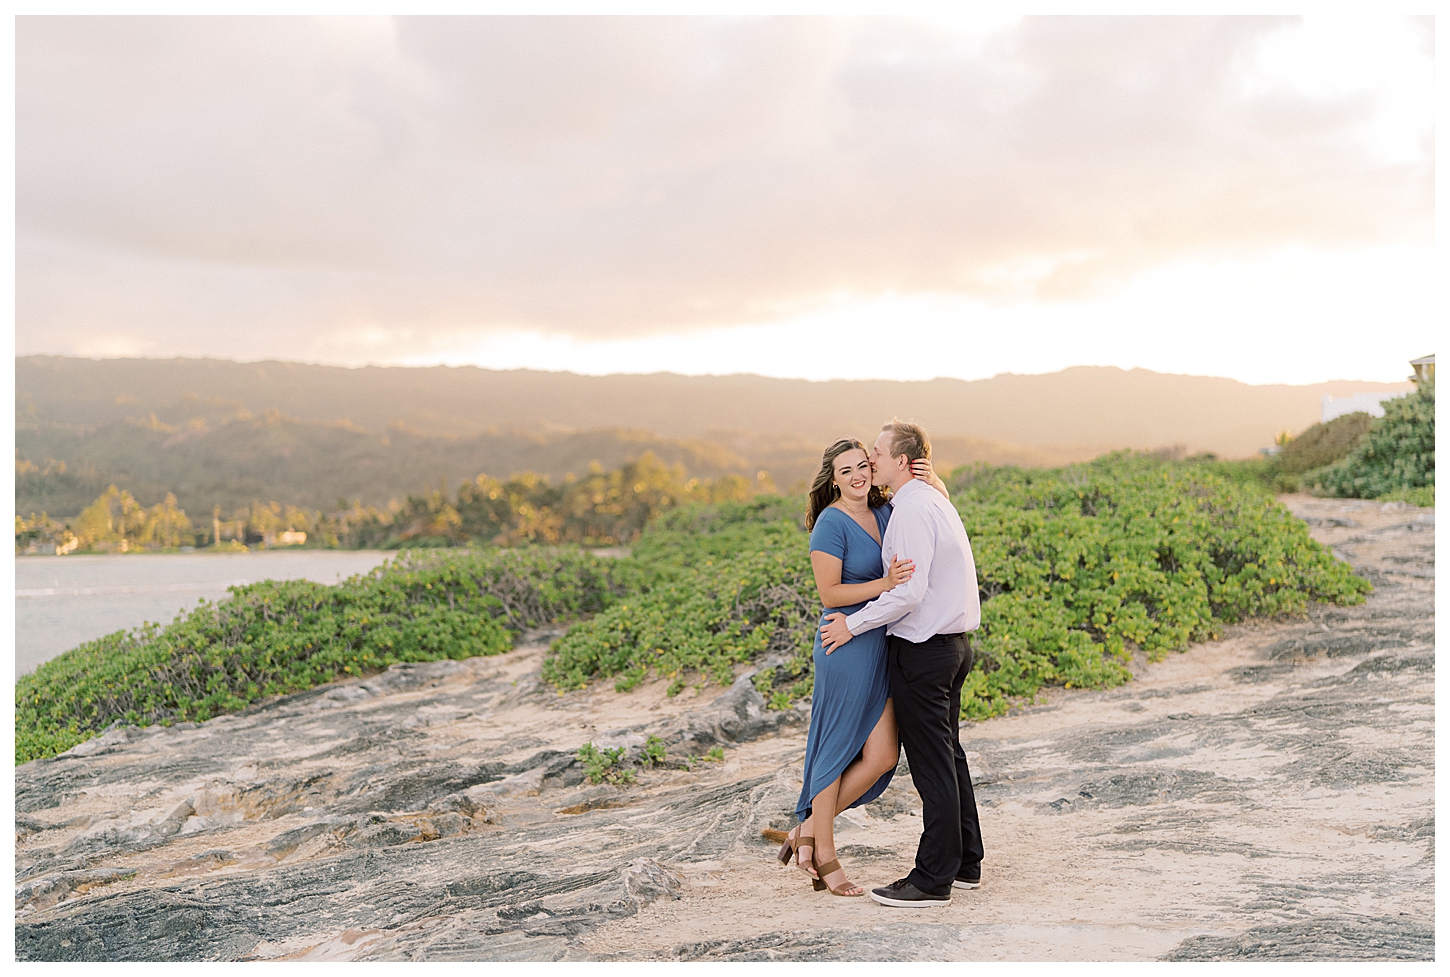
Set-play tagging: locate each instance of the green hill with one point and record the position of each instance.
(312, 465)
(1080, 410)
(219, 432)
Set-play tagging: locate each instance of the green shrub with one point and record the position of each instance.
(1258, 474)
(1397, 453)
(1077, 568)
(654, 751)
(1423, 496)
(1315, 447)
(1323, 444)
(275, 637)
(612, 765)
(713, 586)
(605, 766)
(1284, 482)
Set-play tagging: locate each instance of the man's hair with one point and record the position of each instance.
(908, 439)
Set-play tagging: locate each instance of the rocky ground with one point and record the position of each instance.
(1266, 796)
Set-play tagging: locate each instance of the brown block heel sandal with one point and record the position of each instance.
(786, 855)
(834, 865)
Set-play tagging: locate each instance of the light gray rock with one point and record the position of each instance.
(288, 841)
(626, 739)
(382, 834)
(450, 823)
(48, 889)
(1331, 521)
(136, 833)
(738, 715)
(410, 676)
(461, 802)
(106, 742)
(27, 826)
(646, 880)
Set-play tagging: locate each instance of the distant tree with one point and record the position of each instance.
(730, 488)
(96, 525)
(431, 518)
(484, 510)
(113, 521)
(42, 530)
(602, 508)
(165, 525)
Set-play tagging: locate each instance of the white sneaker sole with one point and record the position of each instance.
(959, 884)
(909, 903)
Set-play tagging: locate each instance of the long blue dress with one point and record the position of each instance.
(851, 685)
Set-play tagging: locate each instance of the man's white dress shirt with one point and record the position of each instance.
(941, 596)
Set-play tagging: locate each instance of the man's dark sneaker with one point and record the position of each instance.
(903, 893)
(969, 879)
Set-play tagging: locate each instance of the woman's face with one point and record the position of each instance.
(853, 474)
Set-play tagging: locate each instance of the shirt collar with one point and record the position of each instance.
(908, 487)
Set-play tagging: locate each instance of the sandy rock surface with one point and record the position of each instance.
(1266, 796)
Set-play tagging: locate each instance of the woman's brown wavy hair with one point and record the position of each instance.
(823, 488)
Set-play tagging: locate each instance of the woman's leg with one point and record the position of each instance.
(825, 836)
(880, 754)
(803, 852)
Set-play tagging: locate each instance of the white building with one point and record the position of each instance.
(1371, 404)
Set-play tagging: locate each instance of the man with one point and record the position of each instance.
(927, 660)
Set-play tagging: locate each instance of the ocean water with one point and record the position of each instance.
(61, 601)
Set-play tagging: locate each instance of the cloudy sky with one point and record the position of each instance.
(804, 197)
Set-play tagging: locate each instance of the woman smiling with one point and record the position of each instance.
(851, 749)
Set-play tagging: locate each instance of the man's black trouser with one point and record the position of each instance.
(926, 686)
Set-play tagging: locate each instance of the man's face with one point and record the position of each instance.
(883, 466)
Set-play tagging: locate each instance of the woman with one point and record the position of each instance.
(851, 749)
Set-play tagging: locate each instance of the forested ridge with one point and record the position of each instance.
(214, 432)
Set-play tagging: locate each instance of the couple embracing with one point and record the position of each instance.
(900, 591)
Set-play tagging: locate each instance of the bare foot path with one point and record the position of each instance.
(1266, 796)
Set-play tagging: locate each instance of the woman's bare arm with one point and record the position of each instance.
(827, 569)
(922, 469)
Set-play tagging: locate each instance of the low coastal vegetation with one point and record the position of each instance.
(1319, 445)
(1355, 456)
(709, 587)
(275, 637)
(1395, 459)
(615, 765)
(1080, 568)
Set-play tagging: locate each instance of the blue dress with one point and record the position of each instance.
(851, 685)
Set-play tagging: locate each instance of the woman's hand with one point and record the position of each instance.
(899, 572)
(921, 468)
